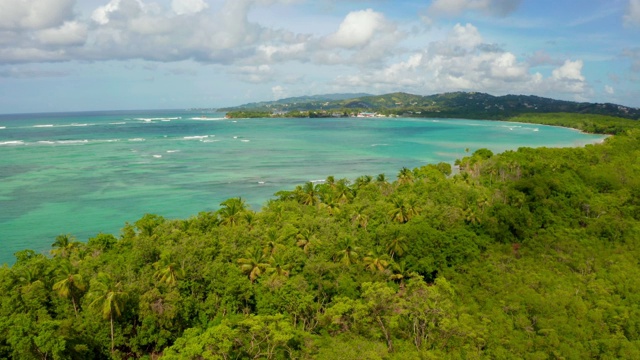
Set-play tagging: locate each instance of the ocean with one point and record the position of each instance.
(86, 173)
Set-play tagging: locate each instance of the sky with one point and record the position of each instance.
(79, 55)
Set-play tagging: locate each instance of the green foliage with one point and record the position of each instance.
(526, 254)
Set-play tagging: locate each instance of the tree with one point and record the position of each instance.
(232, 211)
(397, 245)
(404, 210)
(343, 194)
(109, 297)
(308, 194)
(254, 263)
(382, 306)
(70, 284)
(63, 245)
(362, 181)
(359, 218)
(167, 271)
(400, 273)
(348, 251)
(376, 260)
(405, 176)
(278, 265)
(306, 240)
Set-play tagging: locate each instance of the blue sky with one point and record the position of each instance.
(74, 55)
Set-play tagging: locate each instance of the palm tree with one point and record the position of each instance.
(109, 297)
(348, 253)
(362, 181)
(383, 184)
(278, 265)
(397, 245)
(331, 181)
(232, 211)
(470, 216)
(306, 240)
(401, 273)
(253, 264)
(358, 217)
(376, 260)
(343, 193)
(308, 194)
(167, 271)
(405, 176)
(70, 284)
(403, 211)
(331, 203)
(63, 245)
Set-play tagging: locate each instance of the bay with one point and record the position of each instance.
(86, 173)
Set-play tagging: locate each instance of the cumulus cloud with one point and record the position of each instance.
(357, 29)
(632, 17)
(364, 36)
(181, 7)
(570, 70)
(34, 14)
(180, 30)
(609, 90)
(461, 62)
(68, 34)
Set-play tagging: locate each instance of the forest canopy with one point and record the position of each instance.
(528, 254)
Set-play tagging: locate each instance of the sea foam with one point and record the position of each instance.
(10, 143)
(159, 119)
(72, 142)
(204, 118)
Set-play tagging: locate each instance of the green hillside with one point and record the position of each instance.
(298, 102)
(449, 105)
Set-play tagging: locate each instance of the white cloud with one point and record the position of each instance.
(465, 36)
(69, 34)
(357, 29)
(609, 90)
(34, 14)
(570, 71)
(632, 17)
(278, 53)
(363, 37)
(101, 14)
(181, 7)
(462, 61)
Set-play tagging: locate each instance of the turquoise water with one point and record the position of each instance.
(85, 173)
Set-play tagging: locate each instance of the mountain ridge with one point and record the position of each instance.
(452, 104)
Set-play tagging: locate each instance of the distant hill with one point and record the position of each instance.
(299, 102)
(471, 105)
